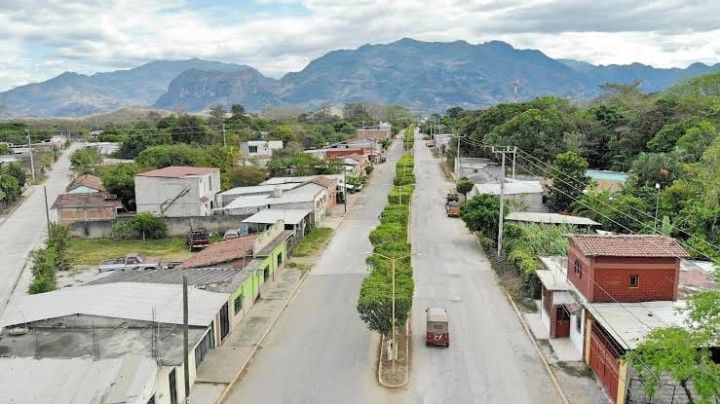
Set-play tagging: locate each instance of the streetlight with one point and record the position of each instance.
(392, 261)
(657, 205)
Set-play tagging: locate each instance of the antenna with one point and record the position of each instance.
(516, 88)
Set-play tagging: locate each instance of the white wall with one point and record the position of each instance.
(577, 336)
(151, 192)
(544, 317)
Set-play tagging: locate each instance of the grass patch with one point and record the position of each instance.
(313, 241)
(85, 251)
(303, 268)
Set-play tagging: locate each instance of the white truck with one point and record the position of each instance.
(131, 261)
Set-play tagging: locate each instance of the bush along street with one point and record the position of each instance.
(391, 272)
(49, 259)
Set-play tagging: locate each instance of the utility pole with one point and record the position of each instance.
(457, 159)
(223, 132)
(657, 206)
(186, 365)
(345, 188)
(513, 163)
(502, 150)
(394, 339)
(47, 210)
(32, 159)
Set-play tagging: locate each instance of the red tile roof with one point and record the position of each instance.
(87, 180)
(179, 171)
(86, 200)
(222, 252)
(627, 245)
(324, 181)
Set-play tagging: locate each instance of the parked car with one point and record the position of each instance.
(452, 209)
(243, 230)
(197, 239)
(129, 262)
(437, 331)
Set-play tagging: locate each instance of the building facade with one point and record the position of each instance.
(178, 191)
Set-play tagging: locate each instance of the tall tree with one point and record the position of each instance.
(568, 181)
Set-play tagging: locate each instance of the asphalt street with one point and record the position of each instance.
(320, 351)
(25, 229)
(490, 359)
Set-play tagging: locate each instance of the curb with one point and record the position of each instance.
(260, 341)
(407, 366)
(530, 336)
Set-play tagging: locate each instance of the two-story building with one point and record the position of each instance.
(177, 191)
(609, 293)
(260, 148)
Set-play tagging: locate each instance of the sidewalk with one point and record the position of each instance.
(224, 364)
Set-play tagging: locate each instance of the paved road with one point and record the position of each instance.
(490, 359)
(320, 351)
(25, 229)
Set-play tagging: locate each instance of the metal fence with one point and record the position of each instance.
(667, 392)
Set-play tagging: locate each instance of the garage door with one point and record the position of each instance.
(604, 356)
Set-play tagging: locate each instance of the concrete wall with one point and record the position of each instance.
(152, 192)
(577, 337)
(177, 226)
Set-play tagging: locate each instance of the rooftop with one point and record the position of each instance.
(271, 216)
(87, 180)
(123, 300)
(213, 279)
(87, 200)
(258, 189)
(510, 188)
(550, 218)
(324, 181)
(79, 336)
(627, 245)
(221, 252)
(629, 323)
(297, 180)
(76, 380)
(179, 172)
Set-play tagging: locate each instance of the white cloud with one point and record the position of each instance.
(40, 39)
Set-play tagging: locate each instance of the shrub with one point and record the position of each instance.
(388, 233)
(395, 214)
(149, 225)
(400, 195)
(41, 285)
(407, 179)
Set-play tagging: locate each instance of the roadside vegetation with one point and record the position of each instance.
(391, 250)
(314, 241)
(46, 261)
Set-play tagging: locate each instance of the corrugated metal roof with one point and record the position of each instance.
(221, 252)
(86, 200)
(510, 188)
(550, 218)
(271, 216)
(628, 245)
(258, 189)
(179, 171)
(214, 279)
(134, 301)
(629, 323)
(76, 380)
(287, 180)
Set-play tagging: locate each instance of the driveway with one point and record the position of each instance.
(26, 228)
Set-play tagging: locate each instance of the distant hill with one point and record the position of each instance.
(707, 85)
(420, 75)
(73, 94)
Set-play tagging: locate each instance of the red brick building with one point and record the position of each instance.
(595, 297)
(86, 207)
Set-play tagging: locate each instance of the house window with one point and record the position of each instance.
(266, 274)
(633, 281)
(252, 149)
(279, 259)
(578, 268)
(237, 304)
(209, 183)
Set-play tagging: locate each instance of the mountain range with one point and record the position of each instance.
(420, 75)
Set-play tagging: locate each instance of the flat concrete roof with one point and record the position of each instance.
(77, 380)
(258, 189)
(629, 323)
(271, 216)
(510, 188)
(550, 218)
(123, 300)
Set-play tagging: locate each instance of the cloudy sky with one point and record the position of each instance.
(42, 38)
